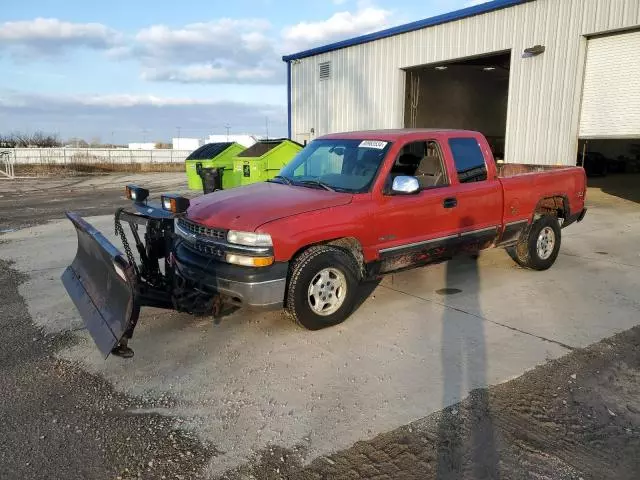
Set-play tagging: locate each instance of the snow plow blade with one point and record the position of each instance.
(102, 284)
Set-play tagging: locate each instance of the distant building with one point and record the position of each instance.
(182, 143)
(244, 140)
(142, 146)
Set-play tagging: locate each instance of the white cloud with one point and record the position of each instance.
(339, 26)
(241, 41)
(222, 51)
(128, 101)
(339, 2)
(128, 115)
(112, 100)
(47, 36)
(210, 73)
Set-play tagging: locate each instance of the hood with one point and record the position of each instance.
(246, 208)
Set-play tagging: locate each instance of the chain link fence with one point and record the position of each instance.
(6, 165)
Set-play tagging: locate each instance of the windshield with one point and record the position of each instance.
(342, 165)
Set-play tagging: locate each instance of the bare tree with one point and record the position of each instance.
(25, 140)
(44, 140)
(77, 142)
(7, 141)
(21, 139)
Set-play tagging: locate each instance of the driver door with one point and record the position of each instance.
(420, 228)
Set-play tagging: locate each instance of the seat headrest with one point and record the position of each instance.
(408, 159)
(429, 166)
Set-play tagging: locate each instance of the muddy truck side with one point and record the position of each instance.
(348, 208)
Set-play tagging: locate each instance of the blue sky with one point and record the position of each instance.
(130, 70)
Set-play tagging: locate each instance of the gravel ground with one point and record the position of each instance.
(574, 418)
(28, 202)
(60, 422)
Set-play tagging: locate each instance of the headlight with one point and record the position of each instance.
(249, 239)
(248, 261)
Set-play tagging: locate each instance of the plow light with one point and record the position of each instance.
(136, 193)
(174, 203)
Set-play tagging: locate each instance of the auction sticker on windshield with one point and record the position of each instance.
(373, 144)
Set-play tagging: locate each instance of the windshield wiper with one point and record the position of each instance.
(318, 183)
(285, 180)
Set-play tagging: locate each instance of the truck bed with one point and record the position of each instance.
(506, 170)
(525, 185)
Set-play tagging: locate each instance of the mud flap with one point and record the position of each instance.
(102, 284)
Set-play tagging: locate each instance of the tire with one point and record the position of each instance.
(304, 296)
(527, 252)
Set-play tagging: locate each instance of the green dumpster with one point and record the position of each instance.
(264, 160)
(214, 155)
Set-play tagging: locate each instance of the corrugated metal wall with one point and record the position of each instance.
(366, 89)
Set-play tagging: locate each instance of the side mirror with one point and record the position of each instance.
(405, 185)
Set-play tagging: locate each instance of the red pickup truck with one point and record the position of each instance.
(349, 207)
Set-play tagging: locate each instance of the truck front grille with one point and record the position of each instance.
(215, 233)
(208, 250)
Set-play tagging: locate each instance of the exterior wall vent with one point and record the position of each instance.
(325, 70)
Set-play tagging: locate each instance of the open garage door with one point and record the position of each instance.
(609, 148)
(469, 93)
(611, 95)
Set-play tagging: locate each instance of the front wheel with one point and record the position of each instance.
(322, 287)
(539, 247)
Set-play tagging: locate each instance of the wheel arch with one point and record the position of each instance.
(556, 205)
(351, 245)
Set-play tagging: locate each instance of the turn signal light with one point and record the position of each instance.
(174, 203)
(249, 261)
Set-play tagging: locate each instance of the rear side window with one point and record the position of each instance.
(468, 159)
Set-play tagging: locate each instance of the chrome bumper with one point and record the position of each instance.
(263, 295)
(262, 287)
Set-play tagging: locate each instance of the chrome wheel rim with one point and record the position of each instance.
(546, 242)
(327, 291)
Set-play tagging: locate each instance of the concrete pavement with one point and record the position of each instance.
(256, 379)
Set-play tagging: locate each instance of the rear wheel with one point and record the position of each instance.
(540, 245)
(322, 287)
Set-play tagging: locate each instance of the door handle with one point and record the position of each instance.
(450, 202)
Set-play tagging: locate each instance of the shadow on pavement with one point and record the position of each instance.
(364, 291)
(465, 440)
(624, 186)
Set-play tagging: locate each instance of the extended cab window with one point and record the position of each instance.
(422, 160)
(468, 159)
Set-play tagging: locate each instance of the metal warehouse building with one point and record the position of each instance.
(542, 79)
